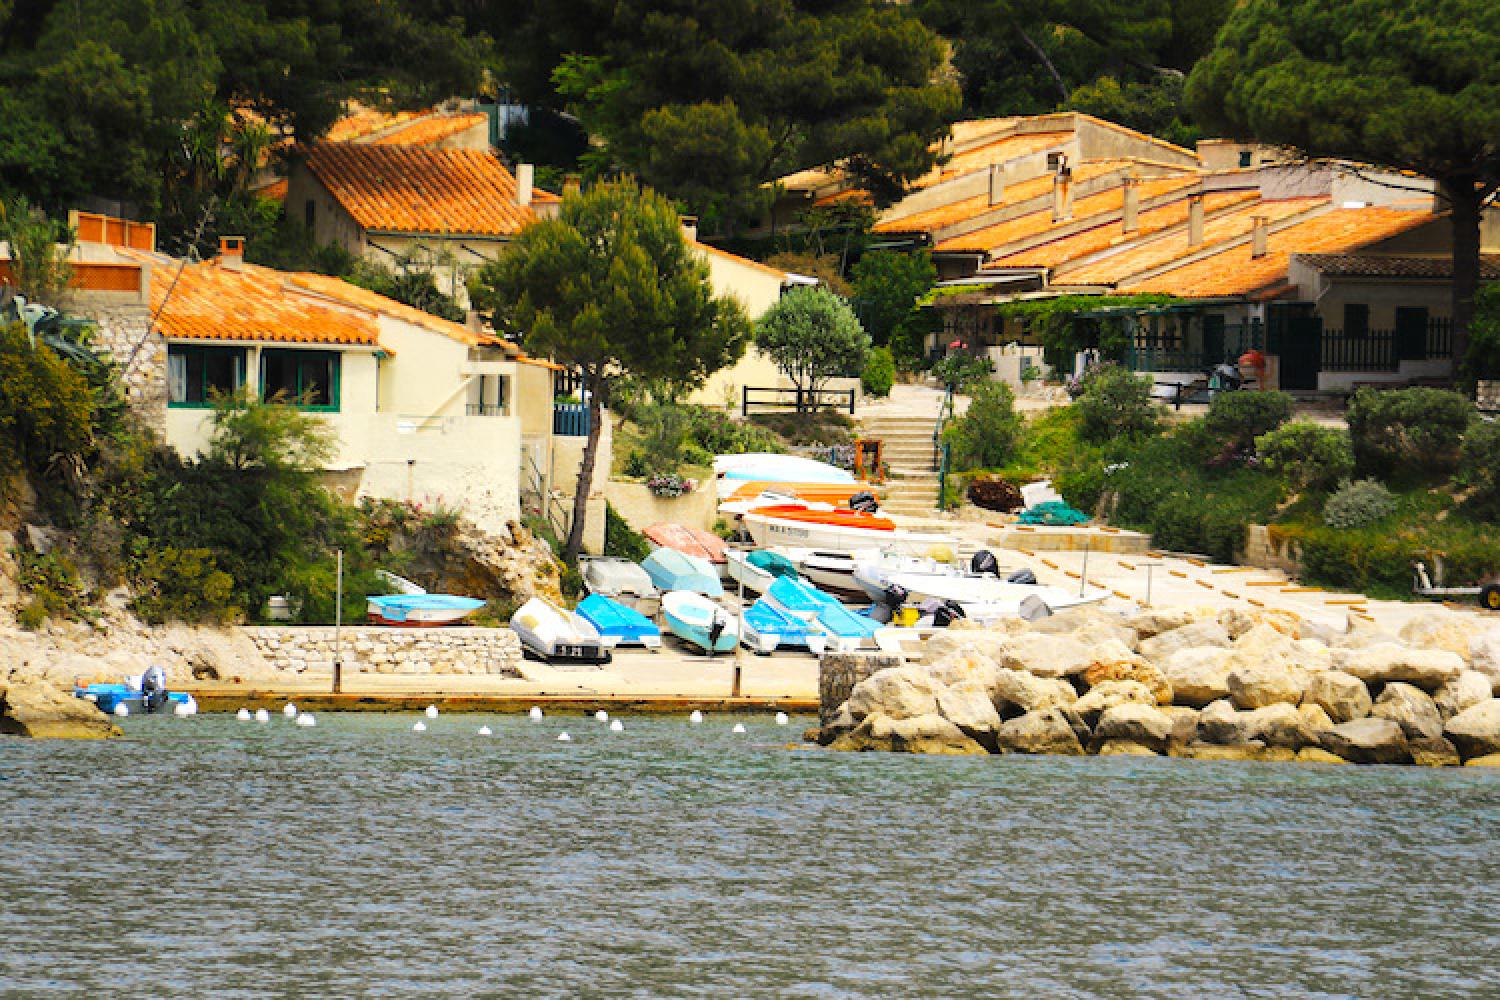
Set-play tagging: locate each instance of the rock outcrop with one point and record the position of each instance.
(1476, 730)
(1368, 741)
(40, 710)
(1045, 731)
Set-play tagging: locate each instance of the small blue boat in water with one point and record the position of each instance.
(420, 610)
(670, 569)
(700, 622)
(613, 619)
(146, 695)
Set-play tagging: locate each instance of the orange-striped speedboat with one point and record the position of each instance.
(836, 530)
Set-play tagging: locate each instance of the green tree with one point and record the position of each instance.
(611, 289)
(887, 284)
(39, 249)
(707, 102)
(1484, 346)
(1116, 403)
(988, 433)
(812, 335)
(251, 434)
(1410, 84)
(46, 406)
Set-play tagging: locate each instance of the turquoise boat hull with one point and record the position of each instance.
(614, 619)
(673, 570)
(692, 618)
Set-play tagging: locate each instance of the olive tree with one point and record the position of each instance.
(812, 335)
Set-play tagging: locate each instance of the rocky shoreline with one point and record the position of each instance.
(1186, 682)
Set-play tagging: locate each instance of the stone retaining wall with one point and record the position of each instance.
(385, 650)
(839, 672)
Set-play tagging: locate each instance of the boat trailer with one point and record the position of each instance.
(1487, 592)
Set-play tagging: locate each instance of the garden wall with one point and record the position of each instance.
(386, 650)
(640, 509)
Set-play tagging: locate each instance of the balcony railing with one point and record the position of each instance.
(485, 410)
(570, 420)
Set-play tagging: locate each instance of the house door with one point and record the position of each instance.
(1411, 334)
(1301, 351)
(1213, 339)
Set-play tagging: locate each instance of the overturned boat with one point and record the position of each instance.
(700, 622)
(556, 635)
(621, 580)
(420, 610)
(613, 620)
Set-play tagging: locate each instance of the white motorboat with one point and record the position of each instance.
(773, 468)
(556, 635)
(621, 580)
(873, 570)
(828, 570)
(758, 569)
(989, 599)
(838, 531)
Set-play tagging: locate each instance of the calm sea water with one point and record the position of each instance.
(212, 857)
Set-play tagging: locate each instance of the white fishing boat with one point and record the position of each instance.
(987, 598)
(828, 570)
(758, 569)
(621, 580)
(873, 570)
(838, 531)
(556, 635)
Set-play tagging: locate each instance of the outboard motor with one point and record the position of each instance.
(715, 629)
(1228, 375)
(1034, 609)
(948, 613)
(894, 596)
(864, 501)
(153, 688)
(984, 563)
(1025, 576)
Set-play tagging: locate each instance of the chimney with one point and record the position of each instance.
(1062, 194)
(525, 174)
(232, 252)
(997, 183)
(1195, 219)
(1260, 231)
(1130, 206)
(690, 228)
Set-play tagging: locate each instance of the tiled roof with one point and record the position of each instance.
(1102, 237)
(362, 298)
(955, 212)
(362, 122)
(1037, 223)
(743, 261)
(1008, 148)
(416, 189)
(1234, 272)
(1140, 255)
(1353, 265)
(431, 129)
(276, 190)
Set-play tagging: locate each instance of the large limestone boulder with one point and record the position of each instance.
(928, 734)
(1411, 709)
(1102, 630)
(1198, 676)
(1484, 656)
(1368, 741)
(1439, 630)
(1343, 696)
(42, 711)
(1219, 723)
(1468, 688)
(1143, 725)
(1097, 700)
(1044, 655)
(1476, 730)
(970, 709)
(1046, 730)
(1488, 760)
(1088, 624)
(1238, 621)
(1154, 621)
(1124, 748)
(1112, 661)
(1253, 686)
(1199, 634)
(1428, 669)
(1435, 752)
(981, 642)
(963, 666)
(1019, 690)
(1282, 725)
(1360, 634)
(895, 692)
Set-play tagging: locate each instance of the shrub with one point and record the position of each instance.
(182, 585)
(1420, 430)
(1116, 403)
(668, 485)
(1242, 416)
(1307, 455)
(56, 589)
(880, 373)
(959, 372)
(1358, 505)
(1479, 468)
(620, 539)
(994, 493)
(987, 434)
(46, 406)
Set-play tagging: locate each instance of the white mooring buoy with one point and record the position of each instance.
(564, 738)
(243, 715)
(738, 728)
(782, 719)
(536, 713)
(261, 715)
(122, 710)
(181, 710)
(432, 711)
(601, 716)
(617, 726)
(485, 731)
(420, 727)
(696, 717)
(306, 720)
(289, 710)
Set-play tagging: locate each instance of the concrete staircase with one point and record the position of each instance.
(912, 487)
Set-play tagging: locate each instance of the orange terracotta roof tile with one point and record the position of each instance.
(853, 194)
(1234, 272)
(998, 151)
(362, 298)
(276, 190)
(431, 129)
(361, 122)
(1139, 255)
(417, 189)
(1037, 223)
(1102, 237)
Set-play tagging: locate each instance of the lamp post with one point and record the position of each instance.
(338, 626)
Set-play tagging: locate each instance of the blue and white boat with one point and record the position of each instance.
(804, 601)
(670, 569)
(700, 622)
(773, 468)
(767, 627)
(420, 610)
(614, 620)
(143, 695)
(758, 569)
